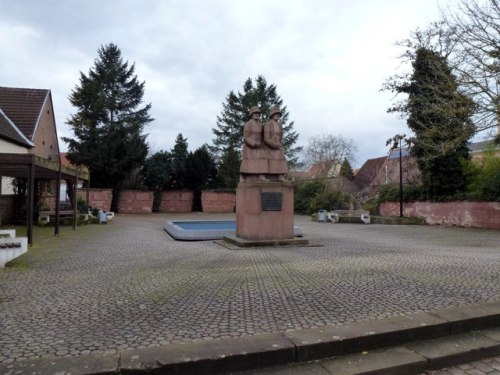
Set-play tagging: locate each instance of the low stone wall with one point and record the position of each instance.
(462, 214)
(98, 198)
(176, 201)
(217, 202)
(135, 202)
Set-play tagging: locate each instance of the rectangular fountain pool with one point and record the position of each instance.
(200, 230)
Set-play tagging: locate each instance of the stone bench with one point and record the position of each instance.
(349, 216)
(11, 246)
(44, 217)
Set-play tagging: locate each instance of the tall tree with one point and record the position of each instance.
(201, 173)
(229, 169)
(229, 130)
(329, 148)
(467, 36)
(474, 26)
(179, 153)
(109, 122)
(156, 173)
(439, 116)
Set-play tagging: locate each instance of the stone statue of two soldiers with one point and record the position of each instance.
(263, 156)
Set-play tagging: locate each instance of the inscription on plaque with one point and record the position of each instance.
(271, 201)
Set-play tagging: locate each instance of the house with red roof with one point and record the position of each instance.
(29, 146)
(31, 115)
(369, 179)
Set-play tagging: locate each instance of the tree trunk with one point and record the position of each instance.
(116, 198)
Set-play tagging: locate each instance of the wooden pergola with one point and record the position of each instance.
(31, 166)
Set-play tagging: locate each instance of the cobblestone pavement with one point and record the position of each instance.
(129, 285)
(490, 366)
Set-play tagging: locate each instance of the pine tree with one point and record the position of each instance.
(229, 169)
(179, 153)
(155, 173)
(109, 122)
(439, 116)
(346, 170)
(228, 141)
(201, 173)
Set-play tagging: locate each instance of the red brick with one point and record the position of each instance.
(217, 202)
(463, 214)
(176, 201)
(136, 201)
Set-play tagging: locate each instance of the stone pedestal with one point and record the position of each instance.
(264, 210)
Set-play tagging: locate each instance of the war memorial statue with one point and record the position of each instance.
(264, 197)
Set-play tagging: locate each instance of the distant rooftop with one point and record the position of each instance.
(394, 154)
(481, 146)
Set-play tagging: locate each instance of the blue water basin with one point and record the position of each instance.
(207, 225)
(200, 230)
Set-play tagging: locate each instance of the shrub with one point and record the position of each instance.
(411, 193)
(81, 204)
(314, 195)
(303, 192)
(371, 205)
(484, 180)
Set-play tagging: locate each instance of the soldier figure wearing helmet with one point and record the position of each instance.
(272, 139)
(254, 161)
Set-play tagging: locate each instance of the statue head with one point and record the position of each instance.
(254, 109)
(274, 111)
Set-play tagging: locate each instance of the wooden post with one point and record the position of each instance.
(88, 190)
(58, 198)
(75, 200)
(31, 201)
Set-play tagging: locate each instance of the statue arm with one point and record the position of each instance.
(269, 140)
(248, 139)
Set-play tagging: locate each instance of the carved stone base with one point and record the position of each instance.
(264, 210)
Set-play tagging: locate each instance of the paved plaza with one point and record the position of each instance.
(105, 288)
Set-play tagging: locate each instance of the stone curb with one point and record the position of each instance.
(418, 357)
(251, 352)
(242, 243)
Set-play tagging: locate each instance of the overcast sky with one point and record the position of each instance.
(328, 58)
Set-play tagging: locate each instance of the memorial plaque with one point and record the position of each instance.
(271, 201)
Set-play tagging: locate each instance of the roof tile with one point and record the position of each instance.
(23, 107)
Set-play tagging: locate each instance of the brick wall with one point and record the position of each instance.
(462, 214)
(176, 201)
(98, 198)
(45, 137)
(212, 201)
(135, 202)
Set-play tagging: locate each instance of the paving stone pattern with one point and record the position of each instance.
(129, 285)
